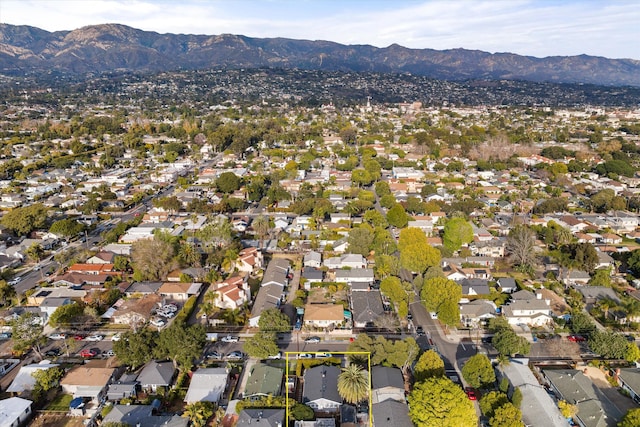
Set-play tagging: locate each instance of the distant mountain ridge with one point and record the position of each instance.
(111, 47)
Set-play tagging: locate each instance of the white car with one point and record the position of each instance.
(157, 322)
(94, 338)
(57, 337)
(276, 356)
(15, 281)
(116, 337)
(230, 338)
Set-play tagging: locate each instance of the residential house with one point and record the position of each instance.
(24, 380)
(361, 275)
(138, 289)
(387, 383)
(592, 294)
(249, 260)
(15, 411)
(476, 312)
(135, 312)
(533, 312)
(321, 389)
(312, 259)
(156, 374)
(325, 316)
(507, 284)
(276, 273)
(366, 307)
(41, 294)
(269, 296)
(264, 380)
(179, 291)
(143, 415)
(538, 408)
(577, 389)
(102, 257)
(94, 268)
(391, 413)
(123, 389)
(475, 287)
(207, 385)
(87, 382)
(312, 275)
(346, 261)
(261, 418)
(49, 305)
(629, 381)
(233, 292)
(574, 277)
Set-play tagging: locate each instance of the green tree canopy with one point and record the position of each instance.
(492, 401)
(27, 333)
(360, 240)
(478, 372)
(506, 415)
(67, 227)
(429, 365)
(440, 402)
(273, 320)
(153, 259)
(182, 344)
(261, 345)
(136, 348)
(631, 418)
(416, 254)
(66, 314)
(353, 384)
(508, 343)
(457, 232)
(228, 182)
(397, 216)
(199, 413)
(24, 220)
(608, 344)
(435, 291)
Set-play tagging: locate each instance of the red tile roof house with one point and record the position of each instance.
(249, 260)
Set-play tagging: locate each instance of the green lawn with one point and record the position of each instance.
(60, 403)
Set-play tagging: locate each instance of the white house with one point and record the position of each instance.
(207, 385)
(533, 312)
(14, 411)
(346, 261)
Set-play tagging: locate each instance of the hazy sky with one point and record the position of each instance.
(527, 27)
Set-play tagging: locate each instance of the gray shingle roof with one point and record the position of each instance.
(321, 382)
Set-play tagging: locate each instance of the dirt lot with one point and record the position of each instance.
(56, 420)
(324, 295)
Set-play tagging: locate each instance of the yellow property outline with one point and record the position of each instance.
(343, 353)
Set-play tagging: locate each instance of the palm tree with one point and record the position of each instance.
(198, 413)
(208, 307)
(353, 384)
(261, 225)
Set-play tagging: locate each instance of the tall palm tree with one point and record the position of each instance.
(353, 384)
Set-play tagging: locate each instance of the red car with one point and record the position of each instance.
(78, 337)
(87, 352)
(471, 393)
(576, 338)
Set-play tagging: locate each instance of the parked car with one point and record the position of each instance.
(58, 336)
(312, 340)
(630, 338)
(15, 281)
(576, 338)
(87, 352)
(235, 355)
(94, 338)
(230, 338)
(116, 337)
(5, 335)
(109, 353)
(215, 355)
(157, 322)
(54, 352)
(419, 331)
(471, 393)
(322, 355)
(78, 337)
(275, 356)
(305, 356)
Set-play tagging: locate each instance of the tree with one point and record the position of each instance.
(360, 240)
(273, 320)
(506, 416)
(581, 323)
(46, 379)
(449, 312)
(392, 287)
(416, 254)
(24, 220)
(429, 365)
(152, 259)
(7, 293)
(397, 216)
(478, 372)
(228, 182)
(520, 245)
(136, 348)
(633, 353)
(199, 413)
(609, 345)
(353, 384)
(516, 397)
(457, 232)
(567, 409)
(508, 343)
(261, 226)
(66, 314)
(261, 345)
(631, 418)
(182, 344)
(400, 354)
(301, 412)
(440, 402)
(67, 227)
(437, 290)
(27, 333)
(35, 252)
(492, 401)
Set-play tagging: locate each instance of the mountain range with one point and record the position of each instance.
(103, 48)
